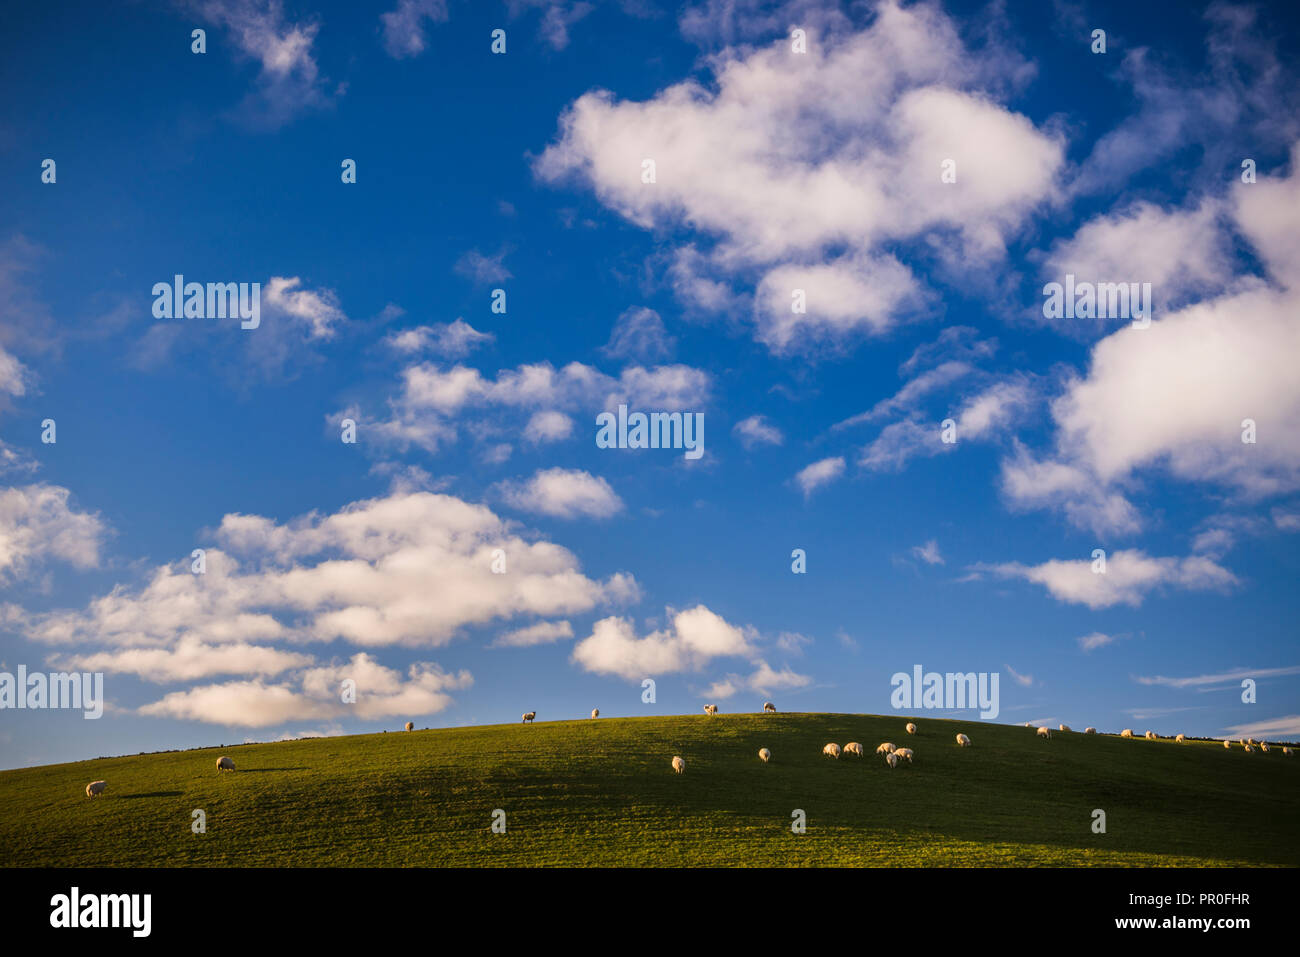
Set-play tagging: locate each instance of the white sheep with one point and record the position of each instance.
(529, 717)
(595, 712)
(1126, 733)
(1263, 746)
(710, 709)
(911, 728)
(1228, 745)
(1044, 732)
(902, 753)
(1151, 736)
(886, 748)
(1286, 750)
(853, 747)
(679, 765)
(410, 726)
(95, 788)
(1251, 741)
(225, 764)
(1064, 727)
(832, 749)
(1180, 739)
(963, 740)
(891, 759)
(764, 755)
(1089, 730)
(769, 708)
(1249, 749)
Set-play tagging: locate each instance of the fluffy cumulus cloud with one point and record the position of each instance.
(410, 569)
(432, 396)
(692, 640)
(38, 524)
(1129, 576)
(315, 695)
(823, 472)
(448, 340)
(316, 312)
(563, 493)
(805, 171)
(757, 430)
(1177, 394)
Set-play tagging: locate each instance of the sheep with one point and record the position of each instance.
(710, 709)
(1151, 736)
(832, 749)
(904, 753)
(891, 759)
(886, 748)
(853, 747)
(769, 708)
(1029, 724)
(1228, 745)
(911, 728)
(963, 740)
(1180, 739)
(225, 764)
(764, 755)
(1249, 749)
(410, 726)
(1064, 727)
(1089, 730)
(679, 765)
(95, 788)
(529, 717)
(1263, 746)
(1251, 741)
(595, 712)
(1286, 750)
(1126, 733)
(1044, 732)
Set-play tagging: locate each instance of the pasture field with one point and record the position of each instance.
(602, 793)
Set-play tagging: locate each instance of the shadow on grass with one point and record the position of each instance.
(265, 770)
(154, 794)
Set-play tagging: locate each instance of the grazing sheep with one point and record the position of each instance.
(853, 748)
(1044, 732)
(769, 708)
(1029, 724)
(1263, 746)
(95, 788)
(891, 759)
(911, 728)
(904, 753)
(225, 764)
(886, 748)
(1180, 739)
(764, 755)
(679, 765)
(1251, 741)
(1249, 749)
(1151, 736)
(963, 740)
(832, 749)
(1126, 733)
(1064, 727)
(1228, 745)
(1286, 750)
(529, 717)
(1089, 730)
(595, 712)
(410, 726)
(710, 709)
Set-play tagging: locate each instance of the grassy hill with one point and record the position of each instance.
(602, 793)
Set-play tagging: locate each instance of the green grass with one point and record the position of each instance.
(602, 793)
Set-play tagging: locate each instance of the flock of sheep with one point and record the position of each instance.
(892, 755)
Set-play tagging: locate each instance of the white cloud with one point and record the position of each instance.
(756, 430)
(36, 523)
(694, 639)
(1129, 576)
(550, 426)
(13, 374)
(1233, 677)
(188, 660)
(404, 26)
(639, 334)
(483, 269)
(1285, 728)
(564, 493)
(542, 633)
(1025, 680)
(453, 340)
(928, 553)
(317, 313)
(1095, 640)
(813, 477)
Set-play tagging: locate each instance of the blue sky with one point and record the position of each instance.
(775, 171)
